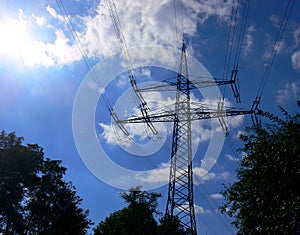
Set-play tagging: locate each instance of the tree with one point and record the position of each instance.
(138, 217)
(265, 199)
(34, 198)
(135, 219)
(171, 225)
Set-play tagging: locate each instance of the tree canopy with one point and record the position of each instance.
(265, 199)
(34, 198)
(138, 217)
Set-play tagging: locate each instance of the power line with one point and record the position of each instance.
(239, 39)
(141, 103)
(212, 204)
(275, 49)
(230, 37)
(175, 21)
(79, 44)
(241, 36)
(240, 42)
(77, 40)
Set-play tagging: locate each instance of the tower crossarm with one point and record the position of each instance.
(195, 114)
(197, 83)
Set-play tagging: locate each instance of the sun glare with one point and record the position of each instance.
(14, 39)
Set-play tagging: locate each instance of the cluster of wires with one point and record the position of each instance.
(275, 48)
(238, 41)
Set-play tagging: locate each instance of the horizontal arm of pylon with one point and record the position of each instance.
(195, 114)
(171, 85)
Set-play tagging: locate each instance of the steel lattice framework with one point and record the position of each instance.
(180, 193)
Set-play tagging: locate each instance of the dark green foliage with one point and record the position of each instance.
(265, 199)
(138, 217)
(171, 225)
(34, 198)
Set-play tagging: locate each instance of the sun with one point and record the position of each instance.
(15, 40)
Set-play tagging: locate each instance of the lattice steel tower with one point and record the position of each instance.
(180, 200)
(180, 193)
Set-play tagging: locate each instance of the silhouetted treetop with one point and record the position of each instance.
(265, 199)
(34, 198)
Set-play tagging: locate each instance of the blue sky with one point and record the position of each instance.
(43, 72)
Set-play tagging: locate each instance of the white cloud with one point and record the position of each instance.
(108, 134)
(54, 14)
(232, 158)
(201, 210)
(201, 175)
(198, 209)
(216, 196)
(235, 121)
(61, 51)
(146, 72)
(224, 175)
(275, 20)
(138, 73)
(112, 134)
(249, 41)
(122, 80)
(147, 23)
(20, 42)
(160, 174)
(279, 48)
(248, 44)
(39, 20)
(93, 85)
(138, 131)
(251, 29)
(296, 60)
(296, 35)
(143, 23)
(290, 91)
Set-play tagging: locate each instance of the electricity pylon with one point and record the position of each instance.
(180, 193)
(180, 200)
